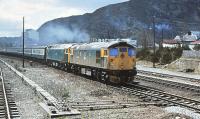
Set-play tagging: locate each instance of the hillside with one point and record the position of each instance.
(125, 19)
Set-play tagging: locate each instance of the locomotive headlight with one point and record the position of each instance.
(111, 60)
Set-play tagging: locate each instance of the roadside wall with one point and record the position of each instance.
(191, 54)
(189, 60)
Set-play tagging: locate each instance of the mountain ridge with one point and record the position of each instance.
(123, 20)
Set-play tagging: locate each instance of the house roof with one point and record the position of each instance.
(189, 37)
(196, 42)
(170, 42)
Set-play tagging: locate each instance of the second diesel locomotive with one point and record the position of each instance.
(105, 61)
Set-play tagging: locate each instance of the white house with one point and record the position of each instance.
(177, 38)
(192, 44)
(170, 43)
(188, 38)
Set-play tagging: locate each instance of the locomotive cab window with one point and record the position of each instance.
(113, 52)
(131, 52)
(123, 49)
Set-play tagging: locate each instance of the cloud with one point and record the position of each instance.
(37, 12)
(90, 5)
(8, 27)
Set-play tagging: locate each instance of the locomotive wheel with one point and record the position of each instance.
(79, 70)
(99, 75)
(92, 74)
(106, 77)
(75, 70)
(72, 69)
(103, 79)
(69, 69)
(65, 69)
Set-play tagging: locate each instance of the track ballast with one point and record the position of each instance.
(8, 109)
(161, 79)
(161, 97)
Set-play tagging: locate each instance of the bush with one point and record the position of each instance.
(177, 52)
(186, 47)
(166, 58)
(143, 54)
(65, 94)
(162, 56)
(197, 47)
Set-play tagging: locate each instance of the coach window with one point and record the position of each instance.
(84, 55)
(71, 52)
(80, 53)
(98, 58)
(66, 51)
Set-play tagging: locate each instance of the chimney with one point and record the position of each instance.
(189, 33)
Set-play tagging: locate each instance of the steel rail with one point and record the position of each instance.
(8, 115)
(161, 95)
(158, 80)
(163, 75)
(149, 92)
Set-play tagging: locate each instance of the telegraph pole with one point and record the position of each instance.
(154, 42)
(23, 42)
(162, 37)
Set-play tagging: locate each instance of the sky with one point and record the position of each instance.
(37, 12)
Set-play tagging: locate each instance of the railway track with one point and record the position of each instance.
(162, 75)
(103, 105)
(151, 95)
(162, 98)
(8, 109)
(158, 78)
